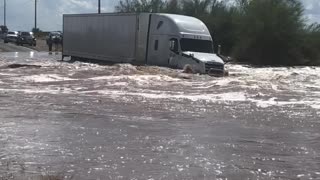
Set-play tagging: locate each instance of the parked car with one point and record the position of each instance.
(26, 38)
(2, 35)
(11, 36)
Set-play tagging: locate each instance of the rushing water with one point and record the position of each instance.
(90, 121)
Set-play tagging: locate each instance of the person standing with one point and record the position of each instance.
(56, 41)
(49, 43)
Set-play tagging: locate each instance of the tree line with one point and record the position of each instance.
(262, 32)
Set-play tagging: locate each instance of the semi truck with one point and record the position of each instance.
(169, 40)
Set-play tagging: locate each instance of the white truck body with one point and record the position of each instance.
(141, 38)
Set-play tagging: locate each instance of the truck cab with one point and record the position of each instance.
(178, 41)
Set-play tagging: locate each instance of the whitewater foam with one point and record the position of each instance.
(42, 78)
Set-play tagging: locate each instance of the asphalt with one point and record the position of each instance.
(10, 47)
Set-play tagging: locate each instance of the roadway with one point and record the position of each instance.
(10, 47)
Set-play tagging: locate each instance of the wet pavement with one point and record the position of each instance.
(90, 121)
(12, 47)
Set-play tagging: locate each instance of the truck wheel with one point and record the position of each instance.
(188, 69)
(74, 59)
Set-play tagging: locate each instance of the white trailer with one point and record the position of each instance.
(142, 38)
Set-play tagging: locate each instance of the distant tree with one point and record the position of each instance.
(311, 45)
(3, 29)
(222, 25)
(196, 8)
(157, 6)
(36, 30)
(172, 6)
(140, 6)
(125, 6)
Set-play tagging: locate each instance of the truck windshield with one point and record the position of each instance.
(196, 45)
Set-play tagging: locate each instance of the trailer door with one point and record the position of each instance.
(158, 44)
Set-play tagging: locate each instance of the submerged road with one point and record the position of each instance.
(11, 47)
(88, 121)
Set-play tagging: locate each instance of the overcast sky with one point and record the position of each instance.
(20, 13)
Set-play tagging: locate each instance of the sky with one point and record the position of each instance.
(20, 13)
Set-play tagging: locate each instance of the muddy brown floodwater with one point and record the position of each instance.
(89, 121)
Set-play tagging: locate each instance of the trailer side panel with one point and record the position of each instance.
(108, 37)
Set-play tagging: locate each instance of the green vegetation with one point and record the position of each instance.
(36, 30)
(262, 32)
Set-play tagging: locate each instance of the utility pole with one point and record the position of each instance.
(4, 12)
(99, 6)
(35, 15)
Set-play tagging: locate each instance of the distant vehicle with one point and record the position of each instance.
(156, 39)
(55, 36)
(11, 36)
(3, 31)
(26, 38)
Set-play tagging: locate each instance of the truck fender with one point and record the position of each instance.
(172, 62)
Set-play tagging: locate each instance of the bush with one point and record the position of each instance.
(311, 45)
(270, 32)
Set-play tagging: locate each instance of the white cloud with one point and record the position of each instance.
(20, 13)
(312, 10)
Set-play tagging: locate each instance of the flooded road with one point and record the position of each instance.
(12, 47)
(89, 121)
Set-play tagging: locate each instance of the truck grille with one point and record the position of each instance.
(217, 67)
(11, 38)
